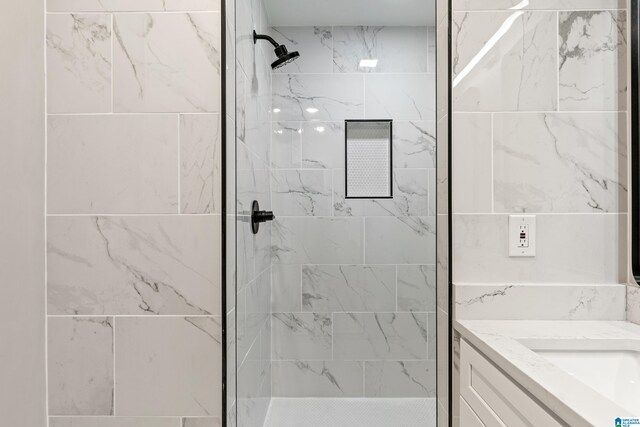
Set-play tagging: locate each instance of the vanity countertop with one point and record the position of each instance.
(571, 400)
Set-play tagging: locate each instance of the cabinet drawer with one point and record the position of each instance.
(494, 397)
(468, 418)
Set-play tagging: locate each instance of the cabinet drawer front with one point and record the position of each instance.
(494, 396)
(468, 418)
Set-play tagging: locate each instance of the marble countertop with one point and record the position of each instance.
(572, 401)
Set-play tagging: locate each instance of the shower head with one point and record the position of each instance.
(284, 56)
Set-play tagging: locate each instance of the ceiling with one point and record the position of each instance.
(292, 13)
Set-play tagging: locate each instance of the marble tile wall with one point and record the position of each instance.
(354, 298)
(253, 252)
(133, 213)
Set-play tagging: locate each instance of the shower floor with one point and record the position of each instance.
(326, 412)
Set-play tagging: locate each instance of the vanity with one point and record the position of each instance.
(548, 373)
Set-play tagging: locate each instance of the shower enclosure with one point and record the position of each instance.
(331, 296)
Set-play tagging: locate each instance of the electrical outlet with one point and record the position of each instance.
(522, 235)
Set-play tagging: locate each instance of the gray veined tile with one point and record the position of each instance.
(414, 144)
(103, 164)
(81, 366)
(167, 62)
(200, 179)
(397, 49)
(400, 96)
(302, 378)
(321, 240)
(315, 45)
(417, 234)
(327, 97)
(112, 421)
(380, 336)
(133, 265)
(79, 63)
(417, 288)
(332, 288)
(168, 366)
(560, 162)
(518, 72)
(593, 60)
(129, 6)
(400, 379)
(301, 192)
(286, 285)
(286, 147)
(301, 336)
(322, 145)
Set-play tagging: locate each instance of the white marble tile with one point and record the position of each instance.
(300, 378)
(325, 97)
(383, 336)
(565, 252)
(256, 311)
(323, 144)
(540, 302)
(400, 379)
(112, 164)
(287, 288)
(112, 422)
(317, 241)
(168, 366)
(560, 162)
(200, 161)
(417, 234)
(79, 63)
(414, 144)
(504, 61)
(431, 49)
(315, 45)
(472, 155)
(201, 422)
(442, 68)
(400, 96)
(301, 192)
(330, 288)
(129, 6)
(633, 304)
(167, 62)
(593, 60)
(133, 265)
(397, 49)
(433, 192)
(442, 262)
(286, 146)
(305, 336)
(410, 196)
(80, 361)
(537, 4)
(417, 288)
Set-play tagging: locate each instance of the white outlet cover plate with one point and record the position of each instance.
(515, 221)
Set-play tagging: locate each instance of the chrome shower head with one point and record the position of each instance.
(283, 55)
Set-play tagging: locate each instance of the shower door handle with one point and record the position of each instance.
(258, 216)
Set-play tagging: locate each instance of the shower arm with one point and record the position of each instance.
(257, 37)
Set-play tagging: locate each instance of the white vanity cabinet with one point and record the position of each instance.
(489, 398)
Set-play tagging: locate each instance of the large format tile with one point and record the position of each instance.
(414, 144)
(560, 162)
(317, 379)
(329, 288)
(286, 288)
(167, 62)
(112, 422)
(593, 60)
(397, 49)
(318, 241)
(168, 366)
(322, 144)
(328, 97)
(417, 234)
(302, 336)
(286, 147)
(315, 45)
(200, 175)
(80, 366)
(129, 6)
(400, 96)
(112, 164)
(417, 288)
(79, 63)
(400, 379)
(133, 265)
(385, 336)
(504, 61)
(301, 192)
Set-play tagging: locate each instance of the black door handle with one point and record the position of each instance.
(258, 216)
